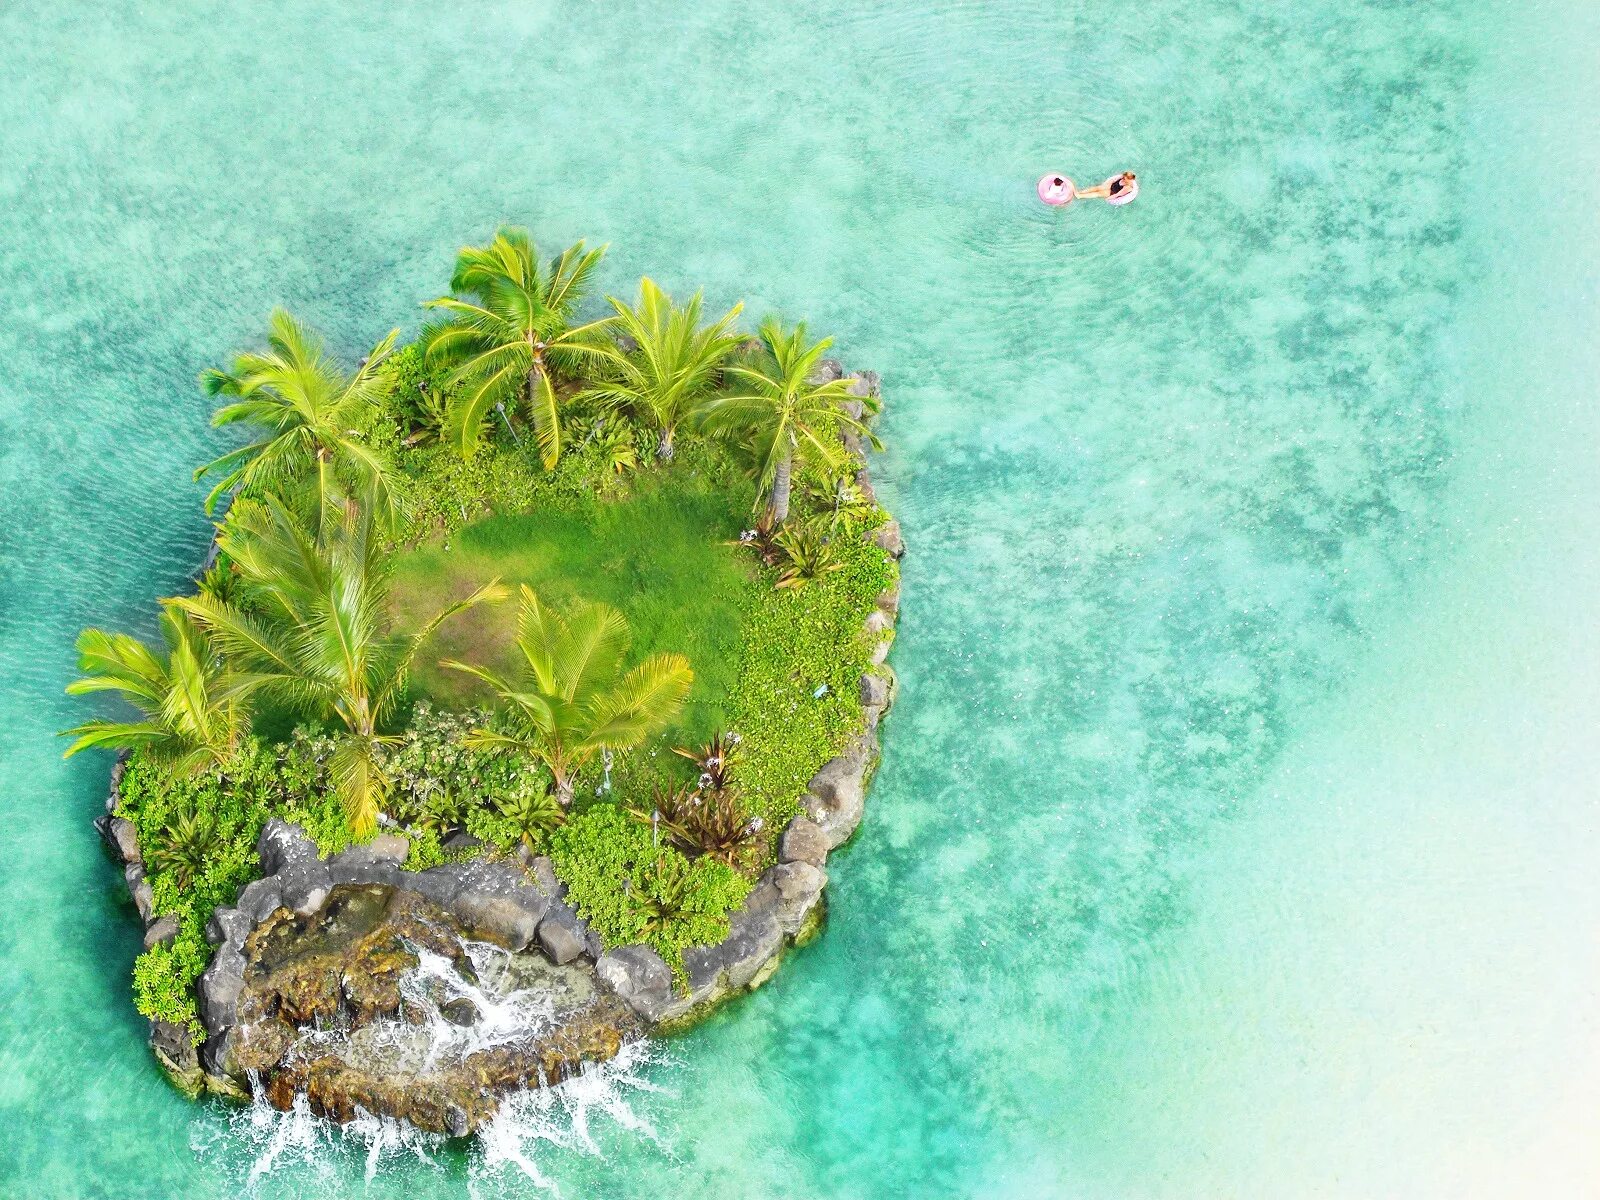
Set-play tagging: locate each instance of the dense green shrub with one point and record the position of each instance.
(630, 889)
(802, 654)
(234, 803)
(164, 978)
(416, 397)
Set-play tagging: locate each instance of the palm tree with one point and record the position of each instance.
(782, 413)
(315, 630)
(506, 332)
(307, 409)
(574, 699)
(675, 364)
(194, 714)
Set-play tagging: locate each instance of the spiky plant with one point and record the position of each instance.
(305, 409)
(616, 446)
(780, 413)
(669, 811)
(193, 709)
(184, 846)
(318, 633)
(531, 817)
(808, 553)
(714, 761)
(672, 364)
(574, 698)
(506, 333)
(668, 897)
(836, 496)
(719, 828)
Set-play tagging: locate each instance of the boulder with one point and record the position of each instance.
(799, 885)
(753, 941)
(641, 978)
(229, 925)
(305, 885)
(561, 934)
(438, 884)
(803, 841)
(281, 844)
(220, 987)
(175, 1051)
(543, 873)
(355, 866)
(121, 838)
(139, 888)
(879, 629)
(887, 538)
(826, 371)
(889, 601)
(162, 929)
(260, 898)
(511, 923)
(460, 1011)
(386, 847)
(836, 795)
(114, 792)
(875, 690)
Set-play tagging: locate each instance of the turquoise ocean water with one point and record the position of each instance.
(1236, 834)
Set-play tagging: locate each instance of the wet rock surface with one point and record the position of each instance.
(382, 1001)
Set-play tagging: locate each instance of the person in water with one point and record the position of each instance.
(1119, 189)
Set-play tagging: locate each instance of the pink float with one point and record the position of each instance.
(1056, 190)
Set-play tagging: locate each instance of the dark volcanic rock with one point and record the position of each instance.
(887, 537)
(837, 793)
(803, 841)
(162, 929)
(561, 934)
(640, 976)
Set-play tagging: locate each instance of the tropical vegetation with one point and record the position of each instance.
(646, 713)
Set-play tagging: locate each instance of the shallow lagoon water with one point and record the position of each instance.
(1234, 830)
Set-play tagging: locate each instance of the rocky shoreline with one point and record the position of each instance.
(333, 944)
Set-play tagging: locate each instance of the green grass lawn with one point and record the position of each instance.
(659, 554)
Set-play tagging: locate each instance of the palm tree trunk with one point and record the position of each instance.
(664, 445)
(780, 486)
(564, 790)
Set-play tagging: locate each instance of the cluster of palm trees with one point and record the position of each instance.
(506, 342)
(301, 618)
(308, 627)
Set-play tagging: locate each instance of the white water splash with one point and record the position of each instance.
(565, 1118)
(513, 995)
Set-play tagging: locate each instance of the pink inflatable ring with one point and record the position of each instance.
(1056, 190)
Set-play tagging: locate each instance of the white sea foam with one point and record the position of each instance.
(513, 995)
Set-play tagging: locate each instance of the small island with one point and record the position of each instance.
(534, 673)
